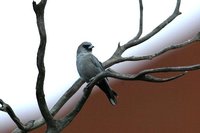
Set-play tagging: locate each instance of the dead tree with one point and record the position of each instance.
(57, 125)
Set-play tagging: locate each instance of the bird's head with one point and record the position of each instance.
(85, 47)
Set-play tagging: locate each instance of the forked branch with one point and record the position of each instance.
(6, 108)
(163, 51)
(121, 49)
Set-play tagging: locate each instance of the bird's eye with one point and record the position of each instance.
(86, 46)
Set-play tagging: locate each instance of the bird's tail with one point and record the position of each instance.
(111, 95)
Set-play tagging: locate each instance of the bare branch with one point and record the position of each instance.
(134, 42)
(172, 69)
(69, 117)
(39, 11)
(140, 23)
(66, 96)
(151, 78)
(6, 108)
(157, 29)
(145, 75)
(167, 49)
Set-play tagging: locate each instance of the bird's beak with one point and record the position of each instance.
(90, 47)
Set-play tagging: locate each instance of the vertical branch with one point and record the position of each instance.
(39, 11)
(119, 49)
(140, 23)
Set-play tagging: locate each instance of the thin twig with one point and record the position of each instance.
(140, 23)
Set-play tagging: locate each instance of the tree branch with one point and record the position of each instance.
(64, 98)
(140, 23)
(145, 75)
(6, 108)
(157, 29)
(120, 49)
(70, 116)
(167, 49)
(39, 11)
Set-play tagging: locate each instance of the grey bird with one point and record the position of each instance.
(89, 66)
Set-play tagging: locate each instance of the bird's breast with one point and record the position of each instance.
(86, 67)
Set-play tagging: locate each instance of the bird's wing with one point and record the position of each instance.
(96, 62)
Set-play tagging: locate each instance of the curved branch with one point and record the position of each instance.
(6, 108)
(63, 99)
(39, 11)
(145, 75)
(167, 49)
(151, 78)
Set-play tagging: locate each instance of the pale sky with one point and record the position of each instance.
(68, 23)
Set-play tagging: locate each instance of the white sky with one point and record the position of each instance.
(68, 23)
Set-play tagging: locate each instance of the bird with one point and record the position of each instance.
(89, 66)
